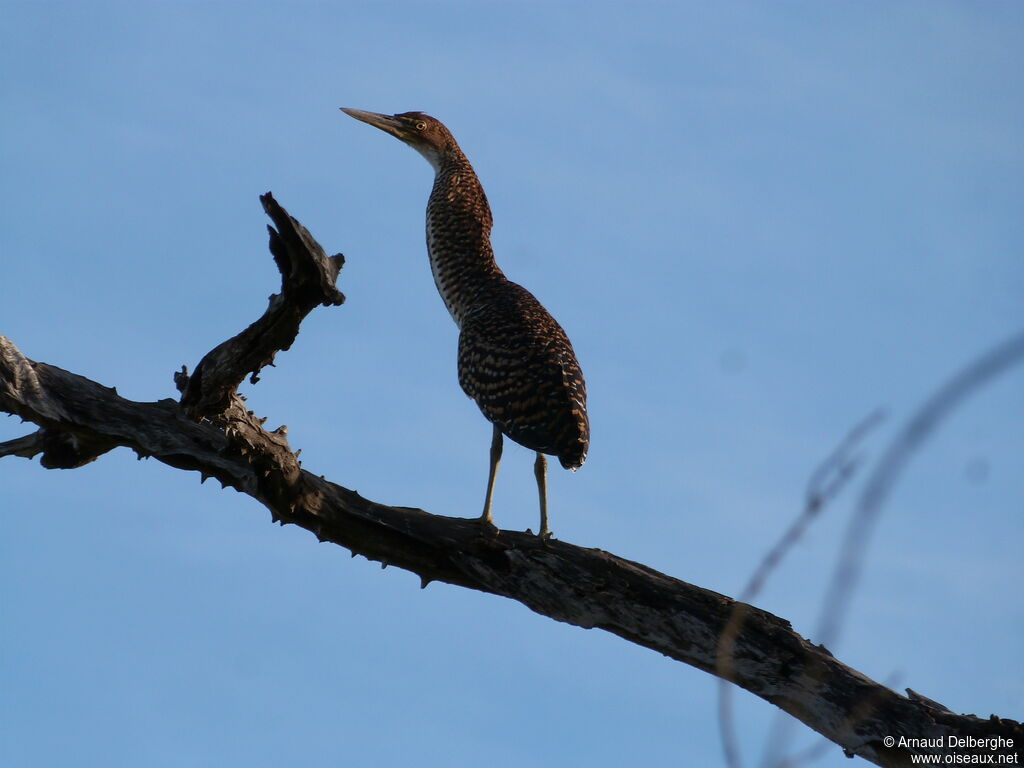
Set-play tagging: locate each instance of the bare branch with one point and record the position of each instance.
(308, 278)
(965, 382)
(890, 466)
(825, 483)
(585, 587)
(26, 447)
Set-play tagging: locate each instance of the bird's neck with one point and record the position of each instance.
(459, 236)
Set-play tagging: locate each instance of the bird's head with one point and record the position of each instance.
(426, 134)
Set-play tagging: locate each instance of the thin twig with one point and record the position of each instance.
(824, 484)
(887, 472)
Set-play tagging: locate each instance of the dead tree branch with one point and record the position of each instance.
(80, 419)
(308, 278)
(825, 483)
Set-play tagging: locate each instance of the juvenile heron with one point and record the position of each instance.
(515, 361)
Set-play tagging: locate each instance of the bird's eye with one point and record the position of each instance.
(420, 125)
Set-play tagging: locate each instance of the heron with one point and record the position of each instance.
(514, 359)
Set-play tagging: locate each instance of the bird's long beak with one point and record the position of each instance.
(386, 123)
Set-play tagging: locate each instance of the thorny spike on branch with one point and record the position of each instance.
(212, 432)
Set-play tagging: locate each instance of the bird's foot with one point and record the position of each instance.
(544, 536)
(487, 526)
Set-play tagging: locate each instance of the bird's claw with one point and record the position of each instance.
(544, 536)
(487, 526)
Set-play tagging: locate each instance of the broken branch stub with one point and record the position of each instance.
(308, 280)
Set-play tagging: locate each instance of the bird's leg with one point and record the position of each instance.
(540, 469)
(496, 444)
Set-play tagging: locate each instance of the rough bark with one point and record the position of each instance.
(210, 431)
(308, 278)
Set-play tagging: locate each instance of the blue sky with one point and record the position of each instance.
(757, 222)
